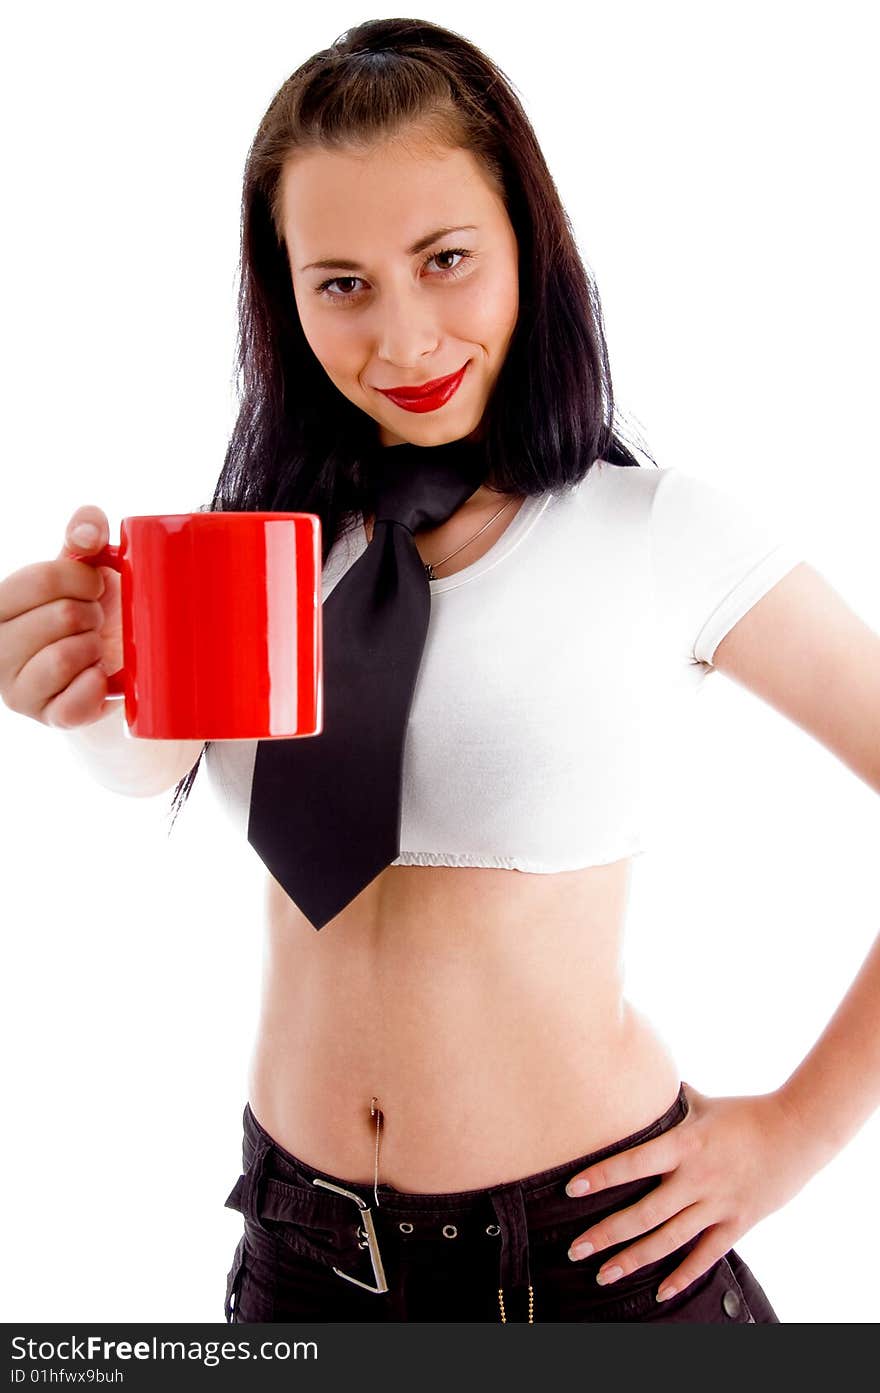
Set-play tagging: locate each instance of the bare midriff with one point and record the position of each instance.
(482, 1007)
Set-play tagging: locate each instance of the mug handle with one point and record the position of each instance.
(107, 556)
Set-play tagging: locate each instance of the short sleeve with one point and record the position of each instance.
(715, 556)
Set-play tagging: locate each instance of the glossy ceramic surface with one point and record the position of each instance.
(221, 619)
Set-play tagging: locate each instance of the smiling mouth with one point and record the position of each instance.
(425, 389)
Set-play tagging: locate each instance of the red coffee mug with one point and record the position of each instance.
(221, 625)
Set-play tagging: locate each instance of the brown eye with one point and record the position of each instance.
(445, 274)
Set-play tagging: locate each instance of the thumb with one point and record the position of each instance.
(87, 531)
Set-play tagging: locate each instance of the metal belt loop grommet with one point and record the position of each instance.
(450, 1231)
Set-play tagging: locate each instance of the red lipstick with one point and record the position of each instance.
(429, 395)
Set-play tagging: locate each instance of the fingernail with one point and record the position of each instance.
(665, 1292)
(577, 1187)
(580, 1250)
(610, 1274)
(85, 534)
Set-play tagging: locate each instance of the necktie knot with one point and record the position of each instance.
(421, 487)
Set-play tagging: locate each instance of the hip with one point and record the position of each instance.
(320, 1247)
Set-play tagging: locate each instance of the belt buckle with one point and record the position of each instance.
(372, 1241)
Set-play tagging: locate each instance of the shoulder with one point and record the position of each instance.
(623, 478)
(704, 512)
(624, 492)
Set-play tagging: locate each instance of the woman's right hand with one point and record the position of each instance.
(61, 633)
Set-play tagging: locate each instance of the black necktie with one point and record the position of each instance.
(325, 810)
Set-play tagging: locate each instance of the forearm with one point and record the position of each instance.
(836, 1088)
(126, 765)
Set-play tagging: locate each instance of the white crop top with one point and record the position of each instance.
(535, 702)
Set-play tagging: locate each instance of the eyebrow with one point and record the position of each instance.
(339, 264)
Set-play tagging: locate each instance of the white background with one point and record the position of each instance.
(716, 163)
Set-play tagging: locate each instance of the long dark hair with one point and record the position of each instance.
(298, 443)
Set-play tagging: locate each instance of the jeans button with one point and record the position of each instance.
(731, 1302)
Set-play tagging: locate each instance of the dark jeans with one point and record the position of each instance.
(470, 1255)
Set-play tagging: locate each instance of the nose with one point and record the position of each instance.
(406, 329)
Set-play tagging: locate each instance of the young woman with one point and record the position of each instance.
(454, 1113)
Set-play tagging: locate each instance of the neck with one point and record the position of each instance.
(475, 510)
(484, 500)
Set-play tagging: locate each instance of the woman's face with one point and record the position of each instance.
(395, 304)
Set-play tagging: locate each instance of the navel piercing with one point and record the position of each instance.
(375, 1111)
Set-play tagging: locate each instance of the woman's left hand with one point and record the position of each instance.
(730, 1162)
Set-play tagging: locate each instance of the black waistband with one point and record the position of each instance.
(278, 1189)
